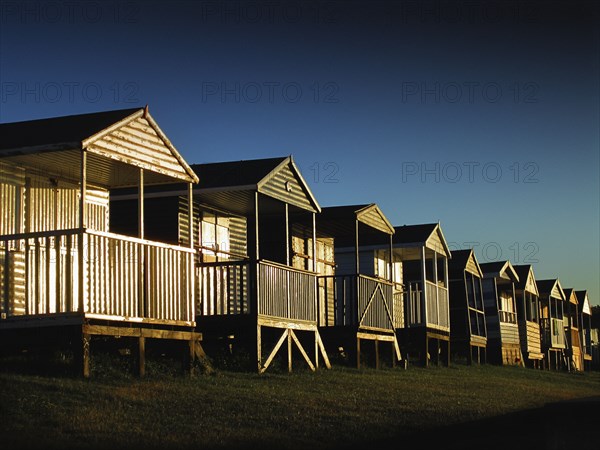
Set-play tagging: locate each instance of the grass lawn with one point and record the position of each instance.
(457, 407)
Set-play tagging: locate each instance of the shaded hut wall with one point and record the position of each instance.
(345, 260)
(160, 219)
(458, 310)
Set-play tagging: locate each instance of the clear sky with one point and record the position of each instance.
(481, 115)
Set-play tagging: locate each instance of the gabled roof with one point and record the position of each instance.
(582, 298)
(527, 280)
(226, 182)
(245, 173)
(570, 295)
(127, 138)
(340, 220)
(463, 260)
(57, 133)
(500, 269)
(551, 287)
(429, 235)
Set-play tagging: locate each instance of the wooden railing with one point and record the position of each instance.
(95, 272)
(286, 292)
(437, 306)
(586, 342)
(507, 316)
(223, 288)
(358, 300)
(434, 314)
(226, 288)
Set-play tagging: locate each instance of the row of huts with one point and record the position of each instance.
(106, 232)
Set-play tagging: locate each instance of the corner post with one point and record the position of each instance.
(80, 238)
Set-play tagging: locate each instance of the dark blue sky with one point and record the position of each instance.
(482, 115)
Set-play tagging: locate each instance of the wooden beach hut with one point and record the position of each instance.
(585, 321)
(64, 273)
(356, 303)
(424, 254)
(254, 233)
(572, 319)
(467, 315)
(552, 323)
(499, 295)
(528, 316)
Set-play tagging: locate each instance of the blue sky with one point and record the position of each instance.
(481, 115)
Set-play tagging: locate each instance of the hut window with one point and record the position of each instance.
(214, 237)
(470, 291)
(381, 264)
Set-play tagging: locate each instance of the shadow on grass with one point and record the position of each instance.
(571, 424)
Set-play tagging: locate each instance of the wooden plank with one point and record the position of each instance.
(275, 350)
(275, 322)
(151, 333)
(302, 351)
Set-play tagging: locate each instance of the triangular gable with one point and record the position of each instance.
(584, 301)
(285, 183)
(530, 284)
(437, 242)
(570, 295)
(137, 140)
(373, 216)
(508, 272)
(472, 265)
(557, 290)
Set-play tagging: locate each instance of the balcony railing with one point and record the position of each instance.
(94, 272)
(553, 333)
(286, 292)
(434, 314)
(226, 287)
(358, 300)
(507, 316)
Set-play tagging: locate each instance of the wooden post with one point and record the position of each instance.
(256, 233)
(141, 356)
(437, 352)
(85, 354)
(6, 280)
(287, 235)
(258, 348)
(426, 353)
(391, 262)
(447, 286)
(437, 288)
(289, 345)
(376, 353)
(424, 290)
(82, 225)
(191, 214)
(357, 352)
(192, 356)
(141, 205)
(356, 262)
(256, 268)
(316, 349)
(316, 285)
